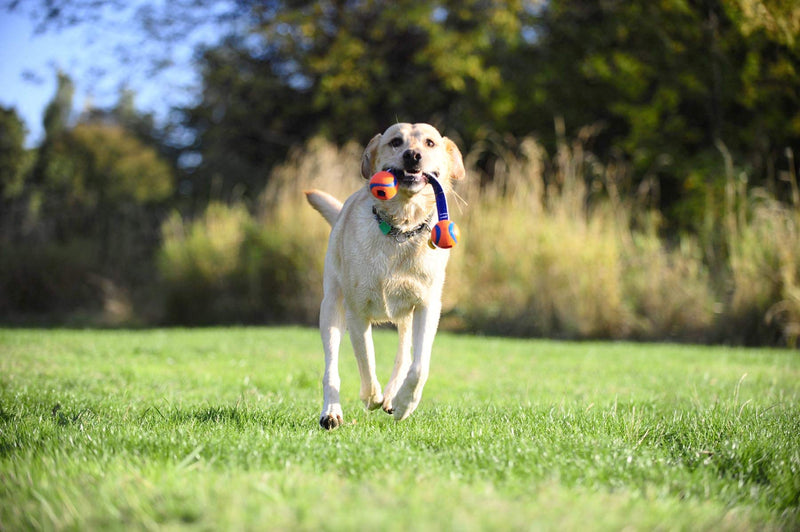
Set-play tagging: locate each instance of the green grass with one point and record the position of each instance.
(217, 429)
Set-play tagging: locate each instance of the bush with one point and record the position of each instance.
(48, 280)
(549, 248)
(199, 262)
(231, 266)
(668, 290)
(543, 276)
(547, 259)
(227, 268)
(765, 274)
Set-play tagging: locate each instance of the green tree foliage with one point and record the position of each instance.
(347, 70)
(13, 155)
(672, 84)
(87, 216)
(91, 179)
(768, 76)
(97, 165)
(688, 103)
(56, 119)
(778, 19)
(58, 111)
(99, 184)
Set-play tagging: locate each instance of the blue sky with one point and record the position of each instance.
(21, 52)
(29, 63)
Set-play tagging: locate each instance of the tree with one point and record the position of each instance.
(779, 20)
(99, 166)
(671, 82)
(95, 179)
(347, 70)
(768, 54)
(13, 155)
(101, 159)
(58, 112)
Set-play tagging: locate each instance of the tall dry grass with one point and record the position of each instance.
(552, 246)
(264, 264)
(549, 251)
(299, 230)
(763, 238)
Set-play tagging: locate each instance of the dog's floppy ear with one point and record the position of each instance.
(368, 159)
(456, 162)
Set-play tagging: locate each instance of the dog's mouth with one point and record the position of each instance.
(413, 181)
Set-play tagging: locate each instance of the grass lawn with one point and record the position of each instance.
(217, 429)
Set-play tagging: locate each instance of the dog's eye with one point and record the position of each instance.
(396, 142)
(429, 143)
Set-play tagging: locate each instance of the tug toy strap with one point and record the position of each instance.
(444, 234)
(441, 199)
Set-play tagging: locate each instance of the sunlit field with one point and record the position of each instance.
(217, 429)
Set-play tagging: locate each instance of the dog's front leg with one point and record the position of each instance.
(331, 325)
(426, 321)
(402, 362)
(364, 349)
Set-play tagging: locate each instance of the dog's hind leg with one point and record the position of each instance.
(364, 349)
(332, 325)
(402, 362)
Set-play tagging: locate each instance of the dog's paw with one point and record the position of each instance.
(331, 418)
(408, 396)
(387, 404)
(373, 402)
(405, 403)
(330, 421)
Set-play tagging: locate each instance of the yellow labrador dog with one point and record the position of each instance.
(380, 268)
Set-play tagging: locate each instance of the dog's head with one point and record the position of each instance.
(411, 151)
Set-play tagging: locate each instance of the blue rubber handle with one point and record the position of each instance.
(441, 200)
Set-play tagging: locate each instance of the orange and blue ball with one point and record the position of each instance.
(445, 234)
(383, 185)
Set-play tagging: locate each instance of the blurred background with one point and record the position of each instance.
(631, 165)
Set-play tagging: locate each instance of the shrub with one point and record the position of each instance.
(547, 259)
(765, 274)
(198, 263)
(233, 266)
(668, 289)
(48, 280)
(548, 275)
(550, 247)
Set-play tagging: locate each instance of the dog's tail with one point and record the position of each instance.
(328, 206)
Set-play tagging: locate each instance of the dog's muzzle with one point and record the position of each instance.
(412, 161)
(411, 179)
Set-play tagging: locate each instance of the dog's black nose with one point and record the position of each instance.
(411, 159)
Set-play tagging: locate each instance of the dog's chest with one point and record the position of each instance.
(393, 283)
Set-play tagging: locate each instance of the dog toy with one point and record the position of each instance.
(445, 234)
(383, 185)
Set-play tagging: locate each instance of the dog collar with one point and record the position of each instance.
(400, 236)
